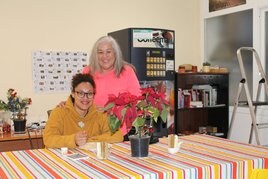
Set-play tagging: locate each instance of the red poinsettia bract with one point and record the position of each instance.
(132, 110)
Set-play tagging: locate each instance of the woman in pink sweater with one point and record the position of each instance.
(111, 73)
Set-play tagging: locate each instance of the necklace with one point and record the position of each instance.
(81, 124)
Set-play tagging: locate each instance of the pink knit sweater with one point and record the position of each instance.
(108, 83)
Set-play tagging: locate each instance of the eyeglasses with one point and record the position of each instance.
(82, 94)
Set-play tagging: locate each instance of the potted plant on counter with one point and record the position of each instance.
(206, 67)
(18, 107)
(135, 111)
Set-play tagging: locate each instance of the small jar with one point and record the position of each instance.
(194, 69)
(181, 69)
(64, 150)
(206, 69)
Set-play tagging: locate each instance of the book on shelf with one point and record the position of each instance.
(209, 94)
(197, 96)
(196, 104)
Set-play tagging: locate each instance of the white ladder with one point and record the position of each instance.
(251, 104)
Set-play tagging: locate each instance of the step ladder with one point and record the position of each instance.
(252, 105)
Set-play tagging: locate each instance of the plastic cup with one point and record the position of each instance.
(102, 150)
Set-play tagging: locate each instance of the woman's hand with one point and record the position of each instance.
(81, 138)
(100, 108)
(62, 104)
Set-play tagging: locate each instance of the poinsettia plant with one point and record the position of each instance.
(15, 104)
(134, 110)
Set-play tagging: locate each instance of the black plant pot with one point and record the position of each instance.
(139, 145)
(153, 139)
(19, 126)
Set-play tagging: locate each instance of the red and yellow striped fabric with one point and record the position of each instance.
(200, 156)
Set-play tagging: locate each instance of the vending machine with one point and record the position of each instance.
(152, 52)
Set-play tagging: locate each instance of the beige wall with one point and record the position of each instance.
(68, 25)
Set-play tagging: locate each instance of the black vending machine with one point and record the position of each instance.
(152, 52)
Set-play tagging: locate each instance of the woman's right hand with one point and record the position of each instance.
(62, 104)
(81, 138)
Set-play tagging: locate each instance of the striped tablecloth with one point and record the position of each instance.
(201, 156)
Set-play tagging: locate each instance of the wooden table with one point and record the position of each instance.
(11, 141)
(200, 156)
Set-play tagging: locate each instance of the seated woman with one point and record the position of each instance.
(79, 122)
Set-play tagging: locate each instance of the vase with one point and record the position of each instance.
(19, 126)
(5, 121)
(139, 145)
(206, 69)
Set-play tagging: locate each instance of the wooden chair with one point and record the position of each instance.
(48, 112)
(34, 136)
(34, 132)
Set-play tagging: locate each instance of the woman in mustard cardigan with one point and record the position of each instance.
(79, 122)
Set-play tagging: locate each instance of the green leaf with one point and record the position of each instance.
(164, 115)
(114, 123)
(155, 113)
(142, 104)
(123, 113)
(108, 106)
(139, 121)
(138, 124)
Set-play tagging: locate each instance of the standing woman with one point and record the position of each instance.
(111, 73)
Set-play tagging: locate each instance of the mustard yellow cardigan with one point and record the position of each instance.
(63, 123)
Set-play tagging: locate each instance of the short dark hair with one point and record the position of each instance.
(80, 78)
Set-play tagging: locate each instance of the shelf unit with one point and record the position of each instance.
(188, 120)
(9, 142)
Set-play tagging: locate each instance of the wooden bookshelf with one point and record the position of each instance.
(189, 119)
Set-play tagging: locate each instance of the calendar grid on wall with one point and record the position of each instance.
(53, 71)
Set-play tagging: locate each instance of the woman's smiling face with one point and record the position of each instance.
(106, 56)
(83, 97)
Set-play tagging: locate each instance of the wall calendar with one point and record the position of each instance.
(53, 71)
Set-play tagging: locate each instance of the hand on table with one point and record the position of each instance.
(81, 138)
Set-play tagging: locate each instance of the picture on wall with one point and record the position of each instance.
(215, 5)
(53, 71)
